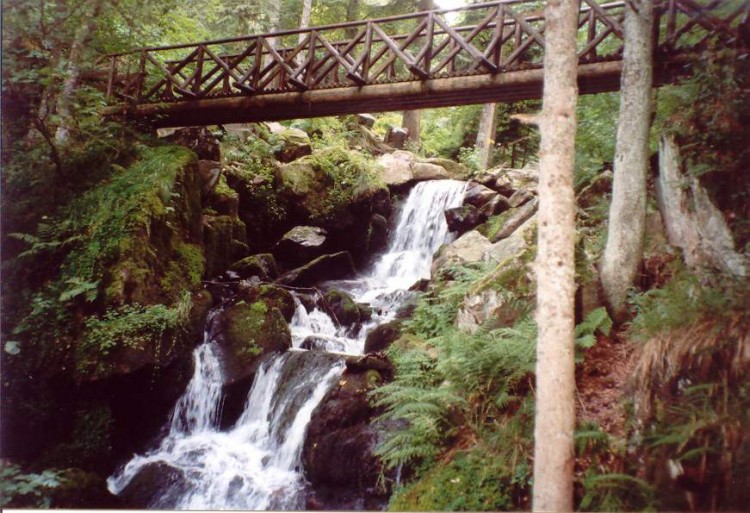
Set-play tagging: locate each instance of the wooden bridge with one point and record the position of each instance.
(404, 62)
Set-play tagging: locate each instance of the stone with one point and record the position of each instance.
(158, 485)
(250, 332)
(396, 137)
(463, 219)
(425, 171)
(477, 194)
(456, 170)
(517, 218)
(223, 199)
(367, 120)
(468, 248)
(295, 144)
(199, 139)
(383, 336)
(377, 233)
(495, 206)
(273, 297)
(262, 265)
(313, 343)
(224, 242)
(301, 244)
(477, 309)
(511, 246)
(336, 266)
(343, 307)
(209, 171)
(395, 169)
(519, 198)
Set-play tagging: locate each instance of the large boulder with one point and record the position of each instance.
(483, 306)
(425, 171)
(511, 246)
(251, 331)
(262, 265)
(273, 297)
(343, 307)
(337, 266)
(464, 218)
(400, 169)
(301, 244)
(157, 485)
(468, 248)
(295, 143)
(504, 226)
(477, 194)
(383, 336)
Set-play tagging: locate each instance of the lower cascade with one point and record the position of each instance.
(256, 464)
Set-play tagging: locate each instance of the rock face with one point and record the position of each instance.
(468, 248)
(224, 242)
(295, 144)
(209, 172)
(262, 265)
(251, 331)
(338, 451)
(337, 266)
(301, 244)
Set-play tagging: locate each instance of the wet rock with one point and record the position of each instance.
(209, 172)
(463, 219)
(322, 344)
(200, 140)
(301, 244)
(337, 266)
(157, 485)
(477, 194)
(250, 331)
(295, 144)
(381, 337)
(343, 307)
(273, 297)
(378, 233)
(262, 265)
(340, 441)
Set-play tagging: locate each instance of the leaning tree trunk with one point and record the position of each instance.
(73, 71)
(627, 214)
(555, 368)
(486, 135)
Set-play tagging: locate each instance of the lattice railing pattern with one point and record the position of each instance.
(495, 37)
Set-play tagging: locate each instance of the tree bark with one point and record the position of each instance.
(73, 71)
(486, 135)
(352, 14)
(627, 214)
(304, 20)
(555, 369)
(412, 119)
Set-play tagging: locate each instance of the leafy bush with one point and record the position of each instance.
(18, 489)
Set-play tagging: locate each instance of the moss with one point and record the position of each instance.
(262, 265)
(274, 297)
(495, 223)
(223, 242)
(255, 328)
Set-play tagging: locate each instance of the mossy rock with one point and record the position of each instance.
(252, 330)
(262, 265)
(343, 307)
(273, 297)
(337, 266)
(223, 199)
(224, 242)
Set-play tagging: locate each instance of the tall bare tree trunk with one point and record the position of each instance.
(555, 269)
(486, 135)
(304, 20)
(73, 71)
(627, 214)
(352, 14)
(412, 119)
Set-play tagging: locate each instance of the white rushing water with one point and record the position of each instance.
(256, 464)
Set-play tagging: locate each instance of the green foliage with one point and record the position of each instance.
(19, 489)
(596, 134)
(585, 332)
(90, 444)
(685, 300)
(616, 492)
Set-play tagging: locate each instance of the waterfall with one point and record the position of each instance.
(256, 464)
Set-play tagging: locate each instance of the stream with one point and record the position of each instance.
(256, 464)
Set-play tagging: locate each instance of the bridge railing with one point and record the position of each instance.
(494, 37)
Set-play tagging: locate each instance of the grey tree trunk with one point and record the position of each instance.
(555, 267)
(412, 119)
(486, 135)
(627, 214)
(73, 71)
(304, 20)
(691, 220)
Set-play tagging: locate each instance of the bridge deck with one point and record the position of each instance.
(397, 63)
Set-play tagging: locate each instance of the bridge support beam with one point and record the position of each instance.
(440, 92)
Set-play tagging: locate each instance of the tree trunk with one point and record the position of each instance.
(73, 71)
(352, 14)
(691, 220)
(412, 119)
(486, 135)
(555, 267)
(627, 214)
(304, 21)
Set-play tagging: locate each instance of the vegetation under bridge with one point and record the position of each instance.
(494, 54)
